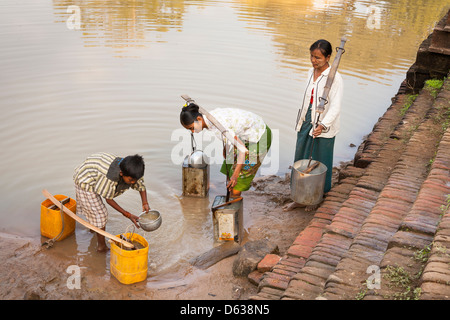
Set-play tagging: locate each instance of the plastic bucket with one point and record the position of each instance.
(307, 188)
(51, 222)
(129, 266)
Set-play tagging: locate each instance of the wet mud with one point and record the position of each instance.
(31, 271)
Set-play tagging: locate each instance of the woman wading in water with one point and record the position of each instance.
(248, 129)
(328, 126)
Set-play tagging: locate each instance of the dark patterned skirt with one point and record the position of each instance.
(322, 148)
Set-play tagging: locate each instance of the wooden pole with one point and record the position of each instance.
(84, 223)
(323, 100)
(218, 125)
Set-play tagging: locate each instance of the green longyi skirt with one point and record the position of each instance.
(253, 160)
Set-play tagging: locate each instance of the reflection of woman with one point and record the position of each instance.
(328, 125)
(248, 129)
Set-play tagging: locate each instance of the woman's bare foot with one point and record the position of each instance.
(102, 249)
(292, 206)
(311, 208)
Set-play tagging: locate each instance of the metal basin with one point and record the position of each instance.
(150, 221)
(307, 188)
(197, 159)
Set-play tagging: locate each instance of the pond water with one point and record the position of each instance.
(79, 77)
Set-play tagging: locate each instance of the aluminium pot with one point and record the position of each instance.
(150, 221)
(197, 159)
(307, 188)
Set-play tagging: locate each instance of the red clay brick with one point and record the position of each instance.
(268, 262)
(275, 281)
(300, 251)
(293, 262)
(310, 235)
(255, 277)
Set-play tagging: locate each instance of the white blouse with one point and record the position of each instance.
(331, 116)
(246, 125)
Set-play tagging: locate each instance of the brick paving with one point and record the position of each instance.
(385, 209)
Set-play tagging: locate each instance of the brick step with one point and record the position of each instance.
(408, 249)
(435, 280)
(394, 200)
(273, 284)
(362, 198)
(303, 245)
(321, 246)
(371, 146)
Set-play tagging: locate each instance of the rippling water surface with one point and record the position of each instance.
(111, 78)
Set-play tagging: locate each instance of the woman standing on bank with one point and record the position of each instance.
(328, 126)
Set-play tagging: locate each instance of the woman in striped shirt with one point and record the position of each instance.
(103, 175)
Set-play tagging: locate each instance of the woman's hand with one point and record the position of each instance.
(317, 131)
(232, 182)
(145, 207)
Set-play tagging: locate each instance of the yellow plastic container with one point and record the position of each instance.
(129, 266)
(51, 223)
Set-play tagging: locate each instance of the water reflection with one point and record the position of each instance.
(379, 33)
(124, 23)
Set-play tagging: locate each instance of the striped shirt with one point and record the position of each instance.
(100, 174)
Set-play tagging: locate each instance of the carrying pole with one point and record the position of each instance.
(49, 196)
(217, 124)
(323, 100)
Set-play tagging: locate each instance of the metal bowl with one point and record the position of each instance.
(197, 159)
(150, 221)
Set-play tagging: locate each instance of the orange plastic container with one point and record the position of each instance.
(129, 266)
(51, 223)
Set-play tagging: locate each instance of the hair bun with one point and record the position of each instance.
(189, 113)
(191, 107)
